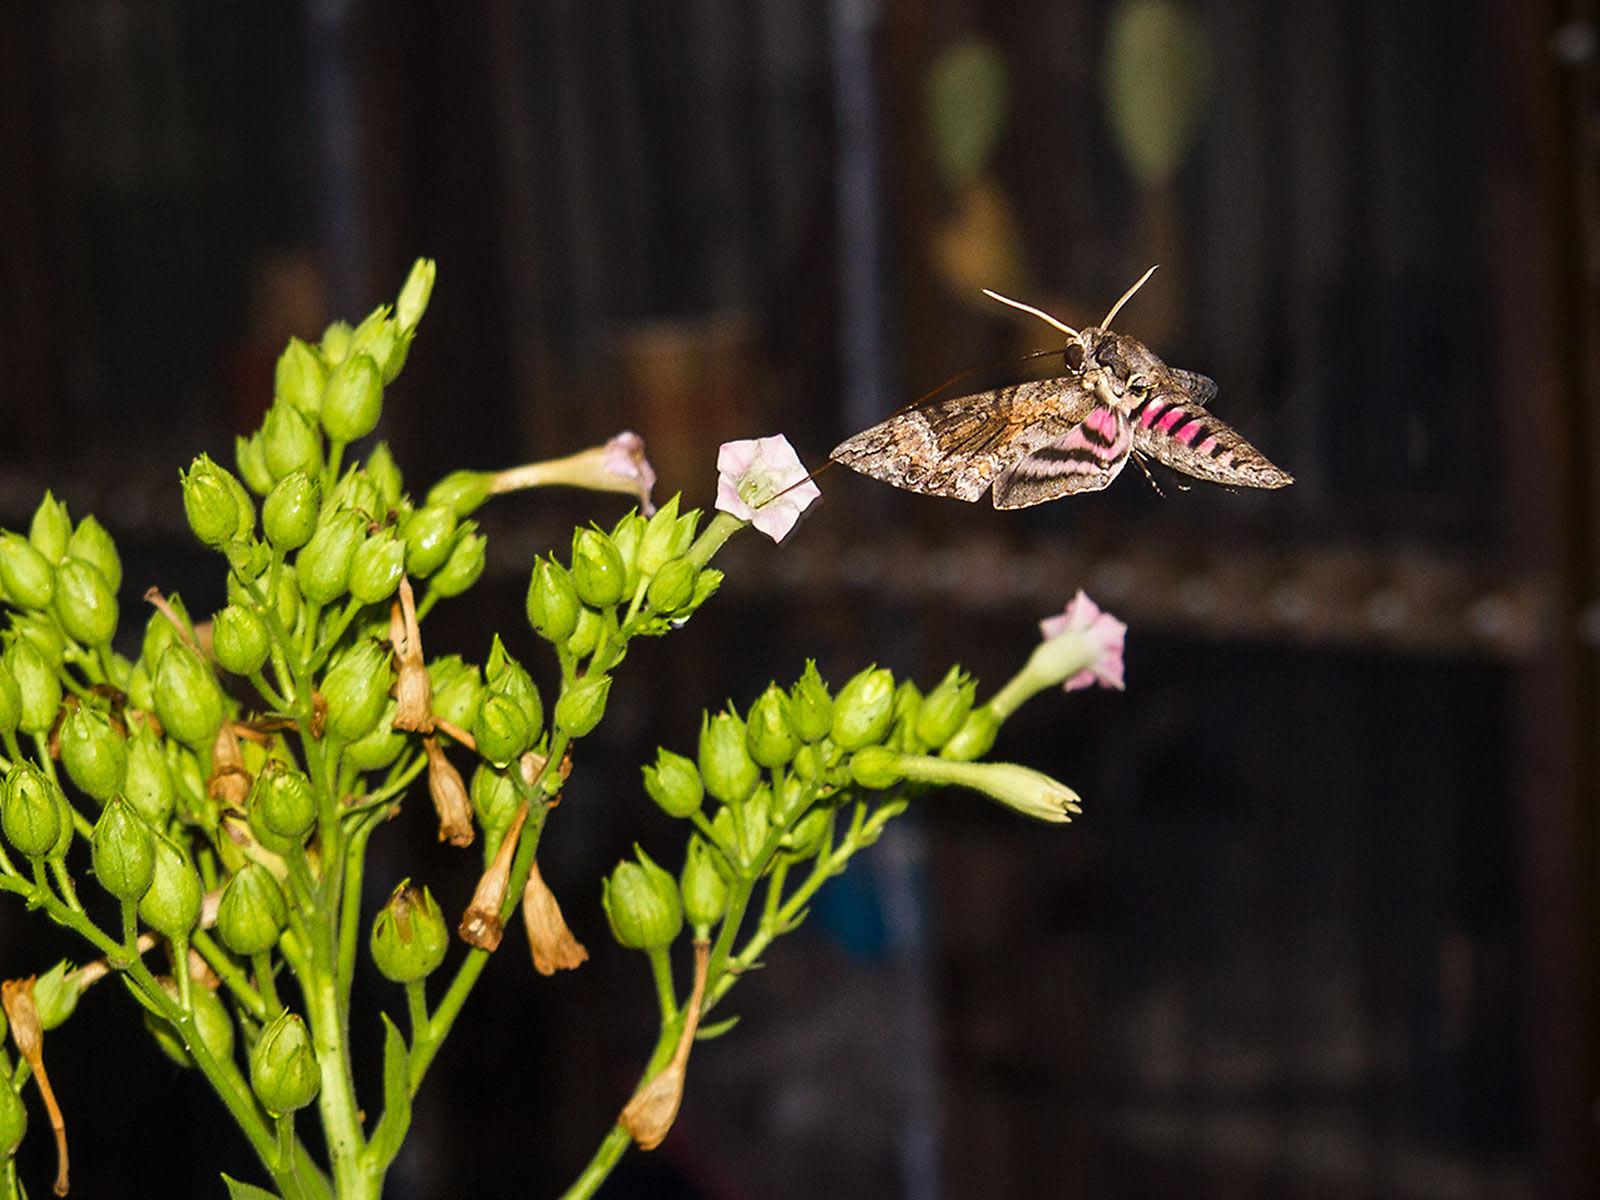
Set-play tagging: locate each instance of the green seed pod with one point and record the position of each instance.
(552, 603)
(864, 709)
(357, 688)
(586, 634)
(283, 1068)
(428, 535)
(463, 492)
(91, 543)
(769, 734)
(674, 783)
(502, 731)
(805, 839)
(642, 904)
(465, 564)
(289, 516)
(290, 442)
(124, 853)
(25, 573)
(13, 1119)
(457, 690)
(729, 772)
(385, 475)
(811, 707)
(148, 784)
(172, 905)
(376, 567)
(336, 342)
(187, 697)
(85, 603)
(975, 738)
(626, 536)
(50, 529)
(239, 639)
(379, 748)
(250, 456)
(705, 891)
(413, 301)
(10, 700)
(598, 571)
(30, 813)
(658, 545)
(409, 935)
(494, 800)
(38, 686)
(581, 705)
(282, 802)
(381, 340)
(209, 502)
(673, 586)
(252, 911)
(876, 767)
(94, 754)
(300, 377)
(945, 708)
(322, 567)
(353, 399)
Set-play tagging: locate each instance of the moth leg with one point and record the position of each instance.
(1143, 466)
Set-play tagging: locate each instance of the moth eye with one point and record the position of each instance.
(1074, 356)
(1138, 384)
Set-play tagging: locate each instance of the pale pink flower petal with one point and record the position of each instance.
(624, 458)
(1102, 632)
(760, 480)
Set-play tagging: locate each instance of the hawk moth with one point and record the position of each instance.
(1041, 440)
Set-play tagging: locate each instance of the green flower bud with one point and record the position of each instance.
(30, 813)
(641, 902)
(463, 492)
(322, 567)
(25, 573)
(383, 341)
(705, 891)
(13, 1119)
(1030, 792)
(357, 688)
(239, 639)
(413, 301)
(124, 853)
(38, 686)
(50, 529)
(357, 492)
(159, 632)
(729, 772)
(864, 709)
(805, 839)
(289, 515)
(94, 754)
(705, 586)
(380, 747)
(250, 456)
(148, 784)
(353, 399)
(552, 603)
(252, 911)
(187, 697)
(876, 767)
(673, 586)
(659, 543)
(211, 1019)
(945, 708)
(494, 800)
(626, 536)
(85, 603)
(409, 936)
(598, 571)
(428, 535)
(283, 1067)
(581, 705)
(385, 476)
(811, 707)
(172, 905)
(457, 690)
(10, 700)
(42, 633)
(91, 543)
(752, 820)
(56, 994)
(290, 442)
(282, 802)
(769, 734)
(336, 342)
(586, 634)
(300, 377)
(209, 502)
(674, 784)
(975, 737)
(502, 731)
(465, 564)
(376, 567)
(246, 506)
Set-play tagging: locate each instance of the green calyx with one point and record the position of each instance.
(283, 1067)
(409, 935)
(642, 904)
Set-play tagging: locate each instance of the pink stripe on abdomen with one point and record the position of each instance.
(1174, 415)
(1190, 431)
(1150, 410)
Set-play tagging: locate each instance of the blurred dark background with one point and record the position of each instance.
(1327, 925)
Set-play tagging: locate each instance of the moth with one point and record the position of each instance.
(1049, 438)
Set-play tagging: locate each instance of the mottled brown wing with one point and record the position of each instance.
(1175, 430)
(958, 445)
(1084, 459)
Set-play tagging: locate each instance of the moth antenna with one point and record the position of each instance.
(797, 483)
(1126, 296)
(1040, 313)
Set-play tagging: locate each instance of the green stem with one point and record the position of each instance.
(341, 1120)
(417, 1007)
(666, 996)
(228, 971)
(612, 1147)
(722, 527)
(350, 908)
(262, 965)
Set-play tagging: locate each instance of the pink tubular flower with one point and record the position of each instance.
(761, 480)
(1098, 632)
(617, 466)
(624, 458)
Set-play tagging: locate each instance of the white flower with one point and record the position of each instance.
(761, 480)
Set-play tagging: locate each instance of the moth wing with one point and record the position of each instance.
(958, 445)
(1201, 389)
(1084, 459)
(1177, 431)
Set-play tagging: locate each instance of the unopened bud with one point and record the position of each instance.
(239, 640)
(581, 705)
(705, 891)
(385, 475)
(975, 737)
(585, 634)
(85, 603)
(50, 529)
(811, 708)
(660, 542)
(494, 800)
(876, 767)
(501, 731)
(552, 602)
(124, 853)
(283, 1067)
(598, 571)
(673, 586)
(428, 534)
(250, 456)
(300, 377)
(457, 690)
(187, 698)
(409, 935)
(356, 689)
(38, 686)
(282, 801)
(729, 772)
(352, 402)
(30, 812)
(95, 754)
(626, 536)
(642, 904)
(209, 503)
(414, 294)
(945, 708)
(171, 906)
(376, 567)
(25, 575)
(10, 700)
(770, 735)
(323, 565)
(147, 784)
(674, 783)
(91, 543)
(289, 516)
(290, 442)
(252, 912)
(465, 564)
(864, 709)
(380, 747)
(463, 492)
